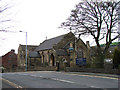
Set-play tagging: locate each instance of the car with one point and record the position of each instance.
(108, 60)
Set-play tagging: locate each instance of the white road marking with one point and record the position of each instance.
(40, 76)
(51, 78)
(94, 87)
(62, 80)
(57, 72)
(33, 75)
(44, 71)
(24, 74)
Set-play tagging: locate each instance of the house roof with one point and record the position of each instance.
(29, 47)
(12, 51)
(48, 44)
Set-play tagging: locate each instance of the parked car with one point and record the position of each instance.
(108, 60)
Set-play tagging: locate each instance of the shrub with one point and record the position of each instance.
(116, 58)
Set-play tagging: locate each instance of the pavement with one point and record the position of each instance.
(94, 74)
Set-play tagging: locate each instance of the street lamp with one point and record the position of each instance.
(26, 49)
(26, 42)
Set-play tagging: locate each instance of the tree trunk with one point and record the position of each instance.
(100, 59)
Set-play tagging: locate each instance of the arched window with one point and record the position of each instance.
(53, 60)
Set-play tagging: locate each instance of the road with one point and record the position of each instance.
(51, 79)
(6, 85)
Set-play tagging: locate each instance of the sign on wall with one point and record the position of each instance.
(81, 61)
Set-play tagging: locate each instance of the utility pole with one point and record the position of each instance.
(26, 51)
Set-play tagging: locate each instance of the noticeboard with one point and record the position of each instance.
(81, 61)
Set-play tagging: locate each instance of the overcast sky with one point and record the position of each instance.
(39, 18)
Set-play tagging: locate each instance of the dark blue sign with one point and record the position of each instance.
(81, 61)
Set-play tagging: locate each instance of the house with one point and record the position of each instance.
(93, 51)
(22, 54)
(108, 56)
(0, 61)
(9, 60)
(62, 51)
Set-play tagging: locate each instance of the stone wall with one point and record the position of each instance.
(34, 62)
(46, 68)
(21, 57)
(46, 59)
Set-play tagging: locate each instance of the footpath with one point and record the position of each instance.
(93, 74)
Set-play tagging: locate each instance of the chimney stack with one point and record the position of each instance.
(88, 45)
(12, 50)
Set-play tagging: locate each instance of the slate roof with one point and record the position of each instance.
(34, 54)
(48, 44)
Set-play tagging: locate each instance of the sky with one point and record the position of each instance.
(39, 18)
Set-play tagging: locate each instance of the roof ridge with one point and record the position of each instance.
(29, 45)
(52, 38)
(49, 43)
(55, 37)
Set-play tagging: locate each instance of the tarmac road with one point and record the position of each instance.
(51, 79)
(6, 85)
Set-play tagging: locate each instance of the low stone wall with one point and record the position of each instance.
(47, 68)
(22, 69)
(93, 70)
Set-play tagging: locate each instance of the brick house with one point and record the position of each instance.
(1, 59)
(1, 64)
(22, 54)
(9, 60)
(62, 51)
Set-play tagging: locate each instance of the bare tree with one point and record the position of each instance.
(98, 19)
(4, 15)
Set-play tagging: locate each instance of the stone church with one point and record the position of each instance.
(62, 51)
